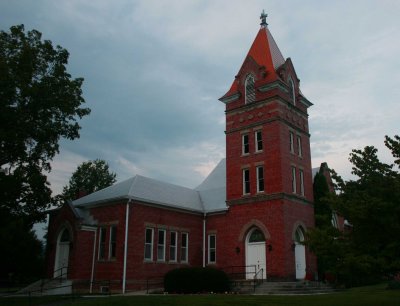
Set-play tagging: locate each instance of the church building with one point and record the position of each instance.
(248, 217)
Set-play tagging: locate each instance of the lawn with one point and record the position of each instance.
(365, 296)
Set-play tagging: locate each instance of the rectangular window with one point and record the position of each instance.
(246, 181)
(184, 247)
(299, 147)
(102, 243)
(260, 179)
(291, 140)
(245, 144)
(259, 143)
(172, 246)
(212, 246)
(161, 245)
(302, 182)
(113, 242)
(148, 244)
(294, 179)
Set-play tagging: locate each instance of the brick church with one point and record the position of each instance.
(248, 217)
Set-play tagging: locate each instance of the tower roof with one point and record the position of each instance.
(265, 52)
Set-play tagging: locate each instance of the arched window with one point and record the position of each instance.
(256, 236)
(250, 90)
(299, 235)
(334, 220)
(64, 236)
(292, 93)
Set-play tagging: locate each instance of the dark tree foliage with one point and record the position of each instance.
(322, 210)
(39, 104)
(89, 177)
(371, 203)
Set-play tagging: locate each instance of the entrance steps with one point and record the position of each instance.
(282, 288)
(47, 287)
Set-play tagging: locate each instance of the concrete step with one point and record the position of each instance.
(299, 287)
(48, 287)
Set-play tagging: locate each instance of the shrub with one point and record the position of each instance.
(196, 280)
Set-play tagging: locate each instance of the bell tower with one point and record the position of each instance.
(268, 161)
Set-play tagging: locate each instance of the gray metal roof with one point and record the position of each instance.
(209, 196)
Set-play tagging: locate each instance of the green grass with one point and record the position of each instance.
(363, 296)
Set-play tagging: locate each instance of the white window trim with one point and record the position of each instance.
(299, 146)
(244, 145)
(175, 246)
(151, 244)
(185, 250)
(301, 172)
(257, 141)
(294, 183)
(110, 242)
(291, 140)
(250, 76)
(163, 233)
(258, 179)
(210, 249)
(293, 91)
(244, 180)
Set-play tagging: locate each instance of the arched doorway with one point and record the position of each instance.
(255, 254)
(300, 253)
(62, 254)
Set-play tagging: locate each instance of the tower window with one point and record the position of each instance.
(299, 147)
(291, 142)
(260, 179)
(294, 189)
(245, 144)
(301, 173)
(292, 94)
(250, 91)
(246, 181)
(259, 143)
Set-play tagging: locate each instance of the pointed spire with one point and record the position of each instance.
(263, 18)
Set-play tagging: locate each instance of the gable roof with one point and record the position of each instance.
(207, 197)
(265, 52)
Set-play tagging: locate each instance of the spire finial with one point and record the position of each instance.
(263, 18)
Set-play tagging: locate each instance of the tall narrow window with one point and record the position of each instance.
(102, 243)
(246, 181)
(148, 244)
(245, 144)
(184, 247)
(172, 246)
(292, 92)
(301, 173)
(161, 245)
(291, 142)
(259, 143)
(250, 90)
(294, 189)
(113, 242)
(299, 147)
(212, 246)
(260, 179)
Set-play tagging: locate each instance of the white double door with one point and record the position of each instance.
(62, 260)
(300, 261)
(255, 257)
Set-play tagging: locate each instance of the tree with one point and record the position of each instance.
(371, 203)
(40, 103)
(89, 177)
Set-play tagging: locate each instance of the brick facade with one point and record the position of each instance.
(278, 113)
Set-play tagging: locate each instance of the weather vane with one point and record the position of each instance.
(263, 18)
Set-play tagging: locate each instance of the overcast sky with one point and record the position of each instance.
(154, 71)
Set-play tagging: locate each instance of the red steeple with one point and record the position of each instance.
(265, 52)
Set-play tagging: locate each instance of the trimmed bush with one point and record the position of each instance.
(196, 280)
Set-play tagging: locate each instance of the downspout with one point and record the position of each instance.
(126, 245)
(204, 240)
